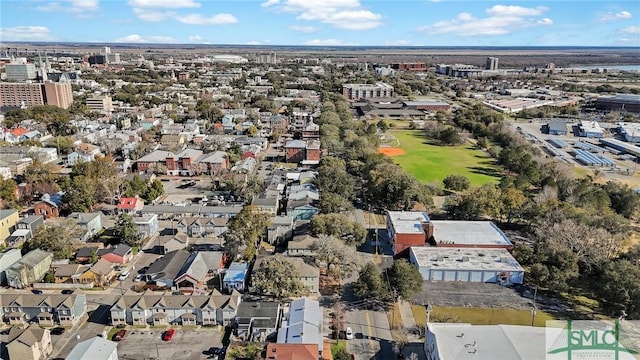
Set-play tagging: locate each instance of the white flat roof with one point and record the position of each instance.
(436, 258)
(590, 126)
(630, 128)
(512, 342)
(408, 222)
(469, 233)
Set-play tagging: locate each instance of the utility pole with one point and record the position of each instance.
(534, 309)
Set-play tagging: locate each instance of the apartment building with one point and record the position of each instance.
(34, 94)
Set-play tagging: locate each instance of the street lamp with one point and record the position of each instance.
(429, 310)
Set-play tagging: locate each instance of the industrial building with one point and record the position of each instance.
(555, 127)
(619, 102)
(466, 341)
(366, 91)
(621, 146)
(467, 265)
(468, 234)
(630, 131)
(407, 229)
(590, 129)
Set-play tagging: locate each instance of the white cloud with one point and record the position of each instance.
(135, 38)
(631, 30)
(502, 20)
(164, 4)
(254, 43)
(77, 7)
(341, 14)
(304, 29)
(152, 15)
(270, 3)
(324, 42)
(197, 19)
(615, 16)
(196, 38)
(26, 33)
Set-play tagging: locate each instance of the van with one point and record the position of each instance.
(124, 275)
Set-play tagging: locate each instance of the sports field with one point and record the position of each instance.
(429, 162)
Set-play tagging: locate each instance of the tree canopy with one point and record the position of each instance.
(275, 276)
(62, 239)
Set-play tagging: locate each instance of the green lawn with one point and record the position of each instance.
(340, 345)
(480, 316)
(432, 163)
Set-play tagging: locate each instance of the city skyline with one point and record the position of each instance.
(325, 22)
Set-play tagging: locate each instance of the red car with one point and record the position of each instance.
(168, 335)
(120, 335)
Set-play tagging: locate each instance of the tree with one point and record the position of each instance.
(341, 354)
(382, 125)
(80, 195)
(61, 239)
(370, 284)
(275, 275)
(8, 197)
(126, 230)
(154, 190)
(619, 288)
(403, 279)
(456, 182)
(336, 255)
(334, 203)
(245, 231)
(340, 226)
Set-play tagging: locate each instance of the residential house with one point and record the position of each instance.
(246, 140)
(255, 321)
(95, 348)
(245, 166)
(119, 254)
(172, 242)
(153, 160)
(30, 223)
(213, 163)
(86, 253)
(277, 351)
(235, 277)
(301, 209)
(146, 224)
(69, 273)
(164, 309)
(228, 125)
(8, 220)
(89, 223)
(171, 140)
(198, 269)
(280, 229)
(301, 245)
(251, 151)
(311, 131)
(267, 204)
(49, 205)
(130, 205)
(308, 275)
(30, 343)
(303, 324)
(29, 269)
(165, 270)
(8, 258)
(20, 308)
(99, 274)
(277, 123)
(83, 153)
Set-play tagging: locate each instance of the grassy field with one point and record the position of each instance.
(340, 345)
(480, 316)
(429, 162)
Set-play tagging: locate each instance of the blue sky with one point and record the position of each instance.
(325, 22)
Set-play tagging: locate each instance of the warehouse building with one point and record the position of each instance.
(467, 265)
(590, 129)
(630, 131)
(468, 234)
(619, 102)
(555, 127)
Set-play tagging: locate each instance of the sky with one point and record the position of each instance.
(325, 22)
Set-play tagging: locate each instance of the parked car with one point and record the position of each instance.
(120, 335)
(348, 333)
(124, 275)
(168, 335)
(37, 292)
(57, 331)
(67, 291)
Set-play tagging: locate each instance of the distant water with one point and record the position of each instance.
(615, 67)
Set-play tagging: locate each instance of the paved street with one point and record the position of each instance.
(372, 337)
(185, 345)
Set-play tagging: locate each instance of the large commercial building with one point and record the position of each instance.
(20, 71)
(100, 103)
(492, 63)
(32, 94)
(467, 265)
(410, 66)
(630, 131)
(366, 91)
(619, 102)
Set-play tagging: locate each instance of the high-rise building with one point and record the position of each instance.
(270, 58)
(366, 91)
(492, 63)
(100, 103)
(33, 94)
(20, 70)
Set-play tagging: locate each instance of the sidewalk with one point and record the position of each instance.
(406, 314)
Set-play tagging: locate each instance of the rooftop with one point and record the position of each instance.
(408, 222)
(590, 126)
(95, 348)
(465, 259)
(469, 233)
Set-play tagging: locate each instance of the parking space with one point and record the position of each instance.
(185, 344)
(471, 294)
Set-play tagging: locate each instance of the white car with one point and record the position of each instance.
(348, 333)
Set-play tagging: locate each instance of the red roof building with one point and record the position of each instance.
(130, 205)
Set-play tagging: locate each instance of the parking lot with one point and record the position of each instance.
(186, 344)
